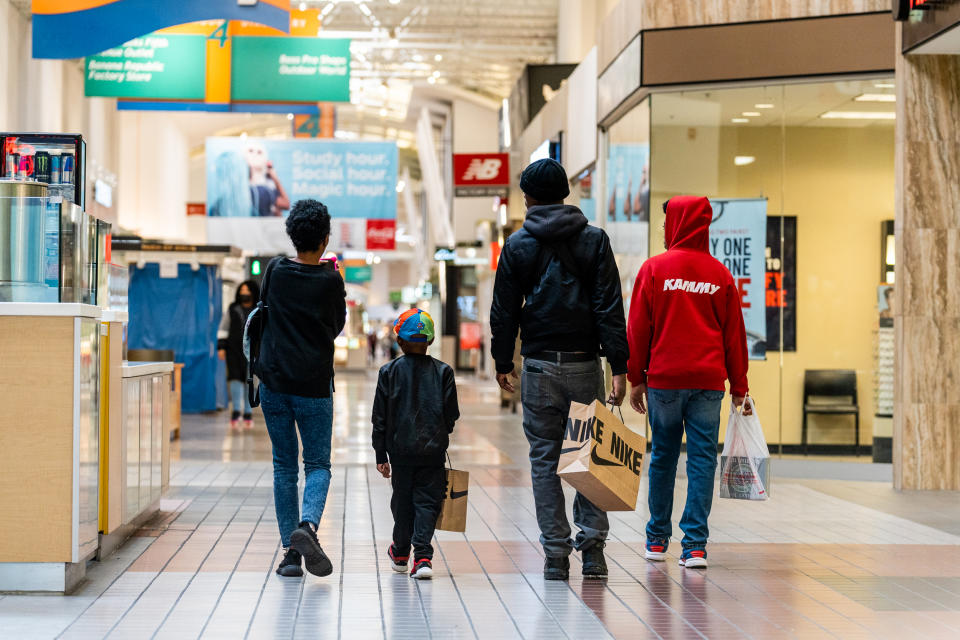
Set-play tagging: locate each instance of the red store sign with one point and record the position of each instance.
(481, 174)
(381, 235)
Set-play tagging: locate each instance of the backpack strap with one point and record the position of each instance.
(253, 389)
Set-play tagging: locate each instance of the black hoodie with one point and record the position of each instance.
(558, 311)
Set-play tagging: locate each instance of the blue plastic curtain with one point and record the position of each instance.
(181, 314)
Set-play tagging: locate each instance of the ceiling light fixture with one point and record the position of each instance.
(303, 6)
(859, 115)
(289, 116)
(751, 114)
(400, 185)
(742, 161)
(438, 57)
(763, 105)
(876, 97)
(432, 80)
(383, 113)
(885, 85)
(739, 120)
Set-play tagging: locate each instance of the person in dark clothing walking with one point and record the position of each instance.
(414, 412)
(557, 282)
(230, 347)
(306, 300)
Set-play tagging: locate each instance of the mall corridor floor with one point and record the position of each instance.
(823, 558)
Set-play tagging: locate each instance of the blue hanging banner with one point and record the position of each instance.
(64, 29)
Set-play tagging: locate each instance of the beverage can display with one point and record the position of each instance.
(41, 167)
(25, 167)
(54, 169)
(66, 169)
(13, 160)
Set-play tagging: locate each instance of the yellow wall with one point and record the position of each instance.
(839, 184)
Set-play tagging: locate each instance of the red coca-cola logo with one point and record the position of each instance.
(381, 235)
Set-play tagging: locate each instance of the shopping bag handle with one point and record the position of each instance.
(449, 461)
(620, 409)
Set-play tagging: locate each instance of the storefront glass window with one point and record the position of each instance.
(801, 177)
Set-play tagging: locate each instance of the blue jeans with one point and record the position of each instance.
(314, 418)
(671, 412)
(239, 398)
(546, 390)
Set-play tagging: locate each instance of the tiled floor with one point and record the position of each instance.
(822, 558)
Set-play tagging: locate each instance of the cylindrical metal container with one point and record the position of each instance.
(22, 214)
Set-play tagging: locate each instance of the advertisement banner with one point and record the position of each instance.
(381, 235)
(627, 200)
(261, 177)
(781, 282)
(290, 69)
(481, 174)
(738, 237)
(159, 66)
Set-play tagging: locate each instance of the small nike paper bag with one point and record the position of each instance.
(453, 517)
(601, 457)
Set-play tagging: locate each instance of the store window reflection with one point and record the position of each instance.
(816, 161)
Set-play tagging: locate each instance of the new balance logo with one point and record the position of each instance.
(482, 169)
(678, 284)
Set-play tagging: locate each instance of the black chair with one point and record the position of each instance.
(835, 391)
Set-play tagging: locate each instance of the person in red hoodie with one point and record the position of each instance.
(686, 338)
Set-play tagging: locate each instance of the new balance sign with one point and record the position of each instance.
(481, 174)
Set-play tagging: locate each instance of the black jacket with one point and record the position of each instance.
(554, 312)
(306, 311)
(414, 411)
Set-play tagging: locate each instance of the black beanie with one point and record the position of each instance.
(545, 181)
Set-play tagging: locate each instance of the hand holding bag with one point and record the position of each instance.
(745, 461)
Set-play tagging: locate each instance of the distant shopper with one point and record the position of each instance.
(414, 412)
(557, 282)
(686, 338)
(230, 346)
(306, 310)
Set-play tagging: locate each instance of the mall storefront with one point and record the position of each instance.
(796, 151)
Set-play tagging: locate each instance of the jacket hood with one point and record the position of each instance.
(554, 221)
(688, 223)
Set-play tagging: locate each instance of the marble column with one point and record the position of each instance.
(926, 447)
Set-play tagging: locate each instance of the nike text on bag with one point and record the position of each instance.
(453, 517)
(745, 461)
(601, 457)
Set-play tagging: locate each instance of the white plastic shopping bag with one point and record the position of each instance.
(745, 461)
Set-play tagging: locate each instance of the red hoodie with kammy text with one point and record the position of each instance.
(686, 326)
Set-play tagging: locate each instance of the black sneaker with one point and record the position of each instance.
(594, 564)
(397, 562)
(422, 569)
(290, 564)
(556, 568)
(304, 540)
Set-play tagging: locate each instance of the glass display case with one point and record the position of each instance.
(57, 160)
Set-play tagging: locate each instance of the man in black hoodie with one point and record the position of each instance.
(557, 282)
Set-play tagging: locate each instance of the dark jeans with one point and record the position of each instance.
(673, 411)
(418, 494)
(546, 392)
(284, 414)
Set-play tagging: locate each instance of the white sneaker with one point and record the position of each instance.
(696, 559)
(422, 570)
(656, 552)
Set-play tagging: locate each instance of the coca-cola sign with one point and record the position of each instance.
(381, 235)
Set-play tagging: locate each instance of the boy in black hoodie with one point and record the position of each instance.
(414, 412)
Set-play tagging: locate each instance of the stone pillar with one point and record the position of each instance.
(926, 432)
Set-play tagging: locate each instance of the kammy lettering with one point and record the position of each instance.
(679, 284)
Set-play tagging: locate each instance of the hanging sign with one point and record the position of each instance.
(290, 69)
(153, 66)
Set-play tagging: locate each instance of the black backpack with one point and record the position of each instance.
(253, 336)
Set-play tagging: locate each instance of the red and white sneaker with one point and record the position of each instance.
(422, 569)
(397, 563)
(694, 559)
(656, 551)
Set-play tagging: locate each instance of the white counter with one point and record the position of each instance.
(50, 309)
(135, 369)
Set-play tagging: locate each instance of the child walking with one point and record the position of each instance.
(414, 412)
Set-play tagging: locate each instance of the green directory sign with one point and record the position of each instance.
(268, 68)
(155, 66)
(357, 275)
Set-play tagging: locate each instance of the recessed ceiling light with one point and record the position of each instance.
(763, 105)
(436, 74)
(876, 97)
(859, 115)
(751, 114)
(383, 113)
(739, 120)
(289, 116)
(885, 85)
(742, 161)
(417, 58)
(438, 57)
(303, 6)
(432, 80)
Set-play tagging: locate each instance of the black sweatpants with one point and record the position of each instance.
(416, 504)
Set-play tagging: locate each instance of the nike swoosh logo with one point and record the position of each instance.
(571, 449)
(457, 494)
(598, 460)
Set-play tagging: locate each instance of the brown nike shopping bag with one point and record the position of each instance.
(601, 457)
(453, 517)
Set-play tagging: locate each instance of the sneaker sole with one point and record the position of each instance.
(694, 563)
(594, 576)
(298, 573)
(425, 573)
(314, 558)
(655, 556)
(399, 568)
